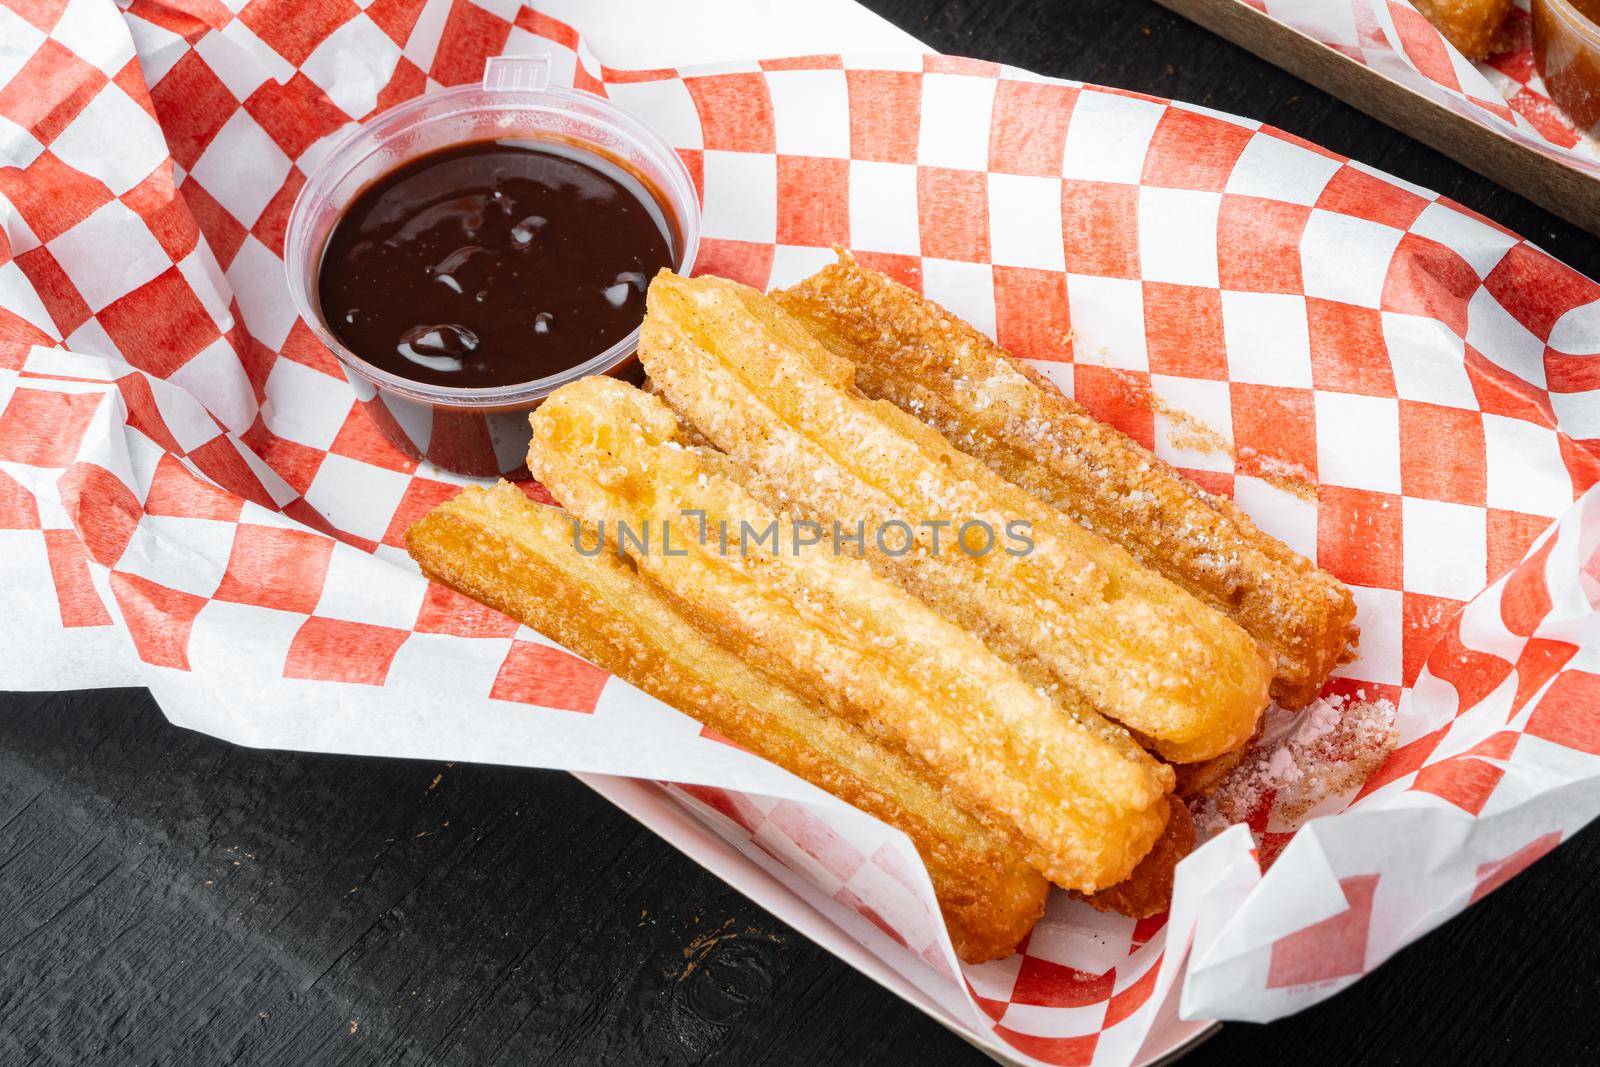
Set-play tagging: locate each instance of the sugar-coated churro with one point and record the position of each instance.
(1081, 808)
(1473, 26)
(1148, 890)
(502, 549)
(1073, 611)
(909, 351)
(1199, 779)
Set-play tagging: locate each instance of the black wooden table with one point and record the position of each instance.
(168, 898)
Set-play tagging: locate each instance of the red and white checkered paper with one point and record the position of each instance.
(1504, 92)
(192, 500)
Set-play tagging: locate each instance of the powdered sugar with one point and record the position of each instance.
(1281, 766)
(1301, 761)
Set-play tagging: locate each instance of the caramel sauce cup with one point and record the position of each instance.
(478, 432)
(1566, 47)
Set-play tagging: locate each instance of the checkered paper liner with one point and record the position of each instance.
(1504, 92)
(192, 499)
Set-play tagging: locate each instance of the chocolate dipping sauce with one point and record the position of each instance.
(492, 263)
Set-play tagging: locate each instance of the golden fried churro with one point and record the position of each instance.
(1081, 809)
(1074, 611)
(1148, 890)
(913, 353)
(503, 550)
(1471, 25)
(1201, 779)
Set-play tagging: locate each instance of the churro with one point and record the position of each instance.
(1200, 779)
(1074, 612)
(909, 351)
(1473, 26)
(1148, 890)
(502, 549)
(1081, 807)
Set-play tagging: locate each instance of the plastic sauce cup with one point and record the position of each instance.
(479, 432)
(1566, 48)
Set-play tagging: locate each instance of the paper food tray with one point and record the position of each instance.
(192, 498)
(1495, 117)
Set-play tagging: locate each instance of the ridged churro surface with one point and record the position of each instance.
(1070, 609)
(909, 351)
(1082, 809)
(1148, 890)
(503, 550)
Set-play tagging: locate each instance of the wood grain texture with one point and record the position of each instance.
(166, 898)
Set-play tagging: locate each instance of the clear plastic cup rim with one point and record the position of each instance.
(520, 81)
(1579, 21)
